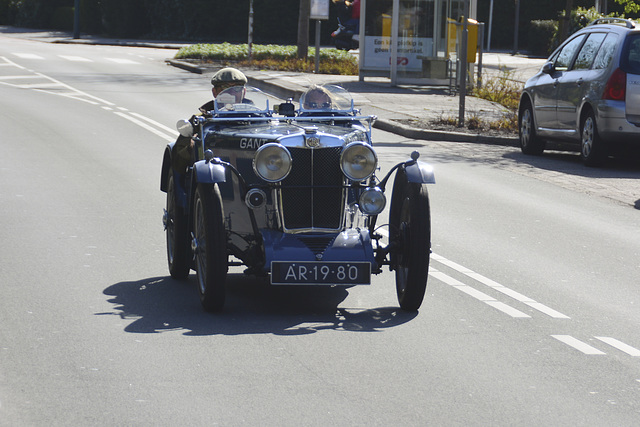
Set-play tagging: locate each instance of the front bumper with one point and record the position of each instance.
(350, 245)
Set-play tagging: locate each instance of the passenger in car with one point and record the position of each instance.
(317, 98)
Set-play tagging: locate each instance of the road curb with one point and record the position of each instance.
(439, 135)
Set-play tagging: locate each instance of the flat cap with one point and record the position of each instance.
(229, 75)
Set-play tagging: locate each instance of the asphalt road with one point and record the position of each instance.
(531, 315)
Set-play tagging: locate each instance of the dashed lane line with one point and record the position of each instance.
(48, 85)
(75, 58)
(122, 61)
(28, 56)
(578, 345)
(631, 351)
(500, 288)
(153, 122)
(480, 296)
(592, 351)
(146, 126)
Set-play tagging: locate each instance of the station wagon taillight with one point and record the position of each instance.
(616, 87)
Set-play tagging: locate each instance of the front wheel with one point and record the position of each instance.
(410, 235)
(592, 149)
(210, 247)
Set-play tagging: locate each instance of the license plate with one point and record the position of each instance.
(320, 273)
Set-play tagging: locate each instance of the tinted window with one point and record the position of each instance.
(588, 51)
(605, 54)
(631, 55)
(567, 53)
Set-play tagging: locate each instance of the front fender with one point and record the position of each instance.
(208, 172)
(420, 173)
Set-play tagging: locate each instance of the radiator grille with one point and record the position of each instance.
(312, 194)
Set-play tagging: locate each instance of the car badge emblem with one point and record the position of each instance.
(312, 141)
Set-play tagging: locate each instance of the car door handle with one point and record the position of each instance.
(579, 82)
(555, 83)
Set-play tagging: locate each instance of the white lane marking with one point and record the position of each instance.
(500, 288)
(153, 122)
(82, 96)
(76, 91)
(631, 351)
(481, 296)
(51, 82)
(578, 345)
(28, 56)
(494, 285)
(29, 76)
(75, 58)
(146, 126)
(122, 61)
(40, 85)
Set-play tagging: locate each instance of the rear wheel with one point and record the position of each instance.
(177, 233)
(592, 149)
(530, 143)
(210, 247)
(410, 236)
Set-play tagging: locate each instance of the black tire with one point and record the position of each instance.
(530, 143)
(210, 247)
(410, 235)
(592, 150)
(177, 233)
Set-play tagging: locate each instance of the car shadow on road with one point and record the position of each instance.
(162, 304)
(571, 163)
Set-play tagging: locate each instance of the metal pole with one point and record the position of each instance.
(463, 63)
(318, 25)
(515, 31)
(480, 38)
(490, 26)
(363, 8)
(394, 41)
(76, 20)
(250, 36)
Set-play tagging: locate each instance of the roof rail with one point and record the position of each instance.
(617, 21)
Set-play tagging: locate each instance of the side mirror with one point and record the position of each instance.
(185, 128)
(548, 68)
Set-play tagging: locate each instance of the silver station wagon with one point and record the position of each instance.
(587, 93)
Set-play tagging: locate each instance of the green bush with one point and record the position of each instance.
(332, 61)
(540, 36)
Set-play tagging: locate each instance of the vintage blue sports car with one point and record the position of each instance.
(291, 192)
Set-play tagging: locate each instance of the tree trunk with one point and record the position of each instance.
(303, 28)
(566, 21)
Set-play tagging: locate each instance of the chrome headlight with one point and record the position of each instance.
(372, 201)
(272, 162)
(358, 161)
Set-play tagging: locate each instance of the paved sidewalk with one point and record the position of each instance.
(373, 96)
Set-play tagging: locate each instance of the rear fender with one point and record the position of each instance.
(420, 173)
